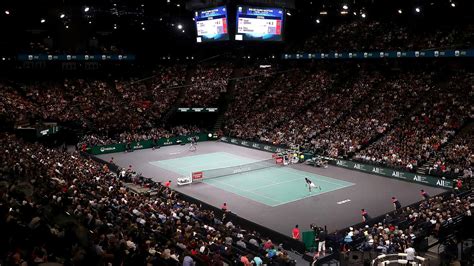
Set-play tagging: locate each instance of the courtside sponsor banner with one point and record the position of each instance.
(279, 160)
(145, 144)
(197, 175)
(250, 144)
(407, 176)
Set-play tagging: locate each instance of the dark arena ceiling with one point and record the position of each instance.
(167, 26)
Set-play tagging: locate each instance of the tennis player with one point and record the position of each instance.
(310, 184)
(193, 146)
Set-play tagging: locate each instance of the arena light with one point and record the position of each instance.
(143, 28)
(180, 27)
(453, 4)
(43, 20)
(318, 21)
(417, 10)
(86, 9)
(7, 12)
(288, 13)
(363, 15)
(62, 16)
(67, 27)
(323, 13)
(345, 7)
(90, 22)
(400, 11)
(344, 12)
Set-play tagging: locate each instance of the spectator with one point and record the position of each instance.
(410, 251)
(296, 233)
(396, 203)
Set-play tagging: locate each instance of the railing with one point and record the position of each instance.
(398, 259)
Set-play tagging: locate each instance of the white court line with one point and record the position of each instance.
(243, 191)
(339, 184)
(308, 196)
(275, 184)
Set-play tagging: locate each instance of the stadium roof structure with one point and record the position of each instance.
(167, 26)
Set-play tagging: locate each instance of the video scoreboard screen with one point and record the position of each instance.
(211, 24)
(259, 24)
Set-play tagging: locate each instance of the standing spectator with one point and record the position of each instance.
(365, 215)
(224, 207)
(296, 233)
(396, 203)
(168, 183)
(424, 194)
(410, 251)
(322, 241)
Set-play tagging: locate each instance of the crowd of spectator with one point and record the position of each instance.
(457, 158)
(400, 229)
(419, 136)
(91, 140)
(76, 211)
(366, 35)
(398, 118)
(208, 83)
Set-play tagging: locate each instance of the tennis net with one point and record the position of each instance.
(232, 170)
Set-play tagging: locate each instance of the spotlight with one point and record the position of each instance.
(180, 27)
(345, 7)
(318, 21)
(67, 27)
(86, 9)
(363, 15)
(400, 11)
(7, 12)
(143, 28)
(43, 20)
(90, 22)
(418, 10)
(453, 4)
(62, 16)
(288, 13)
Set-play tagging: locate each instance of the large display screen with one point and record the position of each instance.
(211, 24)
(259, 24)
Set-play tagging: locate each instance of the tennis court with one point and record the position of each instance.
(274, 197)
(272, 186)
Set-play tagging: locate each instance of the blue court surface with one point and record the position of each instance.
(272, 186)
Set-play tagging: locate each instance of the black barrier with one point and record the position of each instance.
(287, 242)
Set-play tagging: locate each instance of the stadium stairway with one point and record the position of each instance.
(227, 98)
(181, 95)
